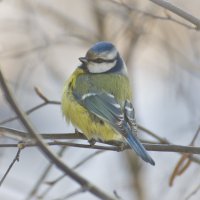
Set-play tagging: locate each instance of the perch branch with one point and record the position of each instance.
(45, 149)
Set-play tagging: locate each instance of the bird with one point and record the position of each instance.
(97, 99)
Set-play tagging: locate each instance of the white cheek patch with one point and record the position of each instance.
(100, 67)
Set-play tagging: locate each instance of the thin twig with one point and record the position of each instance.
(21, 135)
(193, 192)
(181, 165)
(29, 111)
(117, 195)
(150, 15)
(44, 175)
(40, 94)
(45, 149)
(178, 170)
(16, 158)
(178, 11)
(87, 158)
(151, 133)
(58, 179)
(71, 194)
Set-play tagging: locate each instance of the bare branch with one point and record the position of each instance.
(44, 175)
(16, 158)
(21, 135)
(55, 181)
(153, 16)
(29, 111)
(178, 11)
(193, 192)
(162, 140)
(181, 166)
(71, 194)
(87, 159)
(45, 149)
(149, 147)
(40, 94)
(164, 146)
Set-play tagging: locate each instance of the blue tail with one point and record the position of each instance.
(135, 144)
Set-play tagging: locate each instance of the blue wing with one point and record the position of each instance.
(129, 115)
(105, 106)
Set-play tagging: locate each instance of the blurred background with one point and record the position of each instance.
(40, 43)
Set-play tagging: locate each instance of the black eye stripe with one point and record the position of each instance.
(100, 60)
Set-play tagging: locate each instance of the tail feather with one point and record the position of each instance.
(135, 144)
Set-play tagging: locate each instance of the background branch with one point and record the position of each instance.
(178, 11)
(43, 176)
(44, 148)
(16, 158)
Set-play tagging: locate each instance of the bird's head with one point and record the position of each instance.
(102, 57)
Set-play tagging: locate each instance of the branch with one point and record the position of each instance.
(29, 111)
(193, 192)
(178, 11)
(148, 147)
(160, 139)
(55, 181)
(164, 146)
(45, 149)
(16, 158)
(43, 176)
(71, 194)
(21, 135)
(147, 14)
(184, 162)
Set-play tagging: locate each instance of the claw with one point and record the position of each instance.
(92, 141)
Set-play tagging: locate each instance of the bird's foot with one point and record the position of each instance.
(122, 146)
(76, 131)
(92, 142)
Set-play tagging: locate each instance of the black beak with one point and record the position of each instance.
(83, 60)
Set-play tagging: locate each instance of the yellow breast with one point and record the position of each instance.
(81, 118)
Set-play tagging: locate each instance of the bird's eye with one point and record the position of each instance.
(99, 60)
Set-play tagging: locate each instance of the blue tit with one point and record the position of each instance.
(97, 99)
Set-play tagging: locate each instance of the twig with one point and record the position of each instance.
(117, 195)
(151, 133)
(193, 192)
(164, 141)
(16, 158)
(81, 136)
(45, 149)
(178, 11)
(41, 95)
(144, 13)
(87, 159)
(178, 170)
(21, 135)
(71, 194)
(55, 181)
(149, 147)
(45, 173)
(29, 111)
(181, 166)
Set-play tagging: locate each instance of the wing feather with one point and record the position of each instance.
(105, 106)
